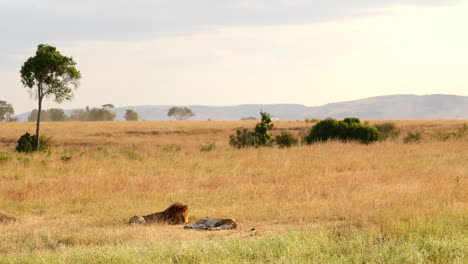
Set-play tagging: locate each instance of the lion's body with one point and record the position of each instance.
(213, 224)
(175, 214)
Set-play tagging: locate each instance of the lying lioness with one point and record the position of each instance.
(213, 224)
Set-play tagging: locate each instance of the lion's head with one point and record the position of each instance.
(176, 214)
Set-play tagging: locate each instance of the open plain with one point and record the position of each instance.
(333, 202)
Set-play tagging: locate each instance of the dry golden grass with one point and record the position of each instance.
(121, 169)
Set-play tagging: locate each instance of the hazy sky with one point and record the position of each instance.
(227, 52)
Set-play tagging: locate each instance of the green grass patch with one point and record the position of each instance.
(298, 246)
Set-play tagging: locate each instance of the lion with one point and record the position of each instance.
(211, 224)
(175, 214)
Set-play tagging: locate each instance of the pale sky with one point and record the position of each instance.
(228, 52)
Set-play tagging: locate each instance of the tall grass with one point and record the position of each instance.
(332, 202)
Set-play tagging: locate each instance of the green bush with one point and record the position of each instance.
(27, 143)
(324, 130)
(286, 140)
(388, 130)
(346, 130)
(351, 120)
(259, 137)
(243, 138)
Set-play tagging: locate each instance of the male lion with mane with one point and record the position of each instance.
(175, 214)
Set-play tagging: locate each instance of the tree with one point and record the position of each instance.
(100, 114)
(45, 117)
(262, 129)
(52, 74)
(57, 115)
(108, 105)
(131, 115)
(6, 111)
(80, 115)
(180, 113)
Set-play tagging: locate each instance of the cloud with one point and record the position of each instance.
(26, 23)
(117, 19)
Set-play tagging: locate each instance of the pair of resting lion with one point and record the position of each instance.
(177, 214)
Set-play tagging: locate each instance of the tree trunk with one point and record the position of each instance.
(38, 122)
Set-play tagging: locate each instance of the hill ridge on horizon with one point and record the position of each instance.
(397, 106)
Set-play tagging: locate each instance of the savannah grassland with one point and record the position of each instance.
(333, 202)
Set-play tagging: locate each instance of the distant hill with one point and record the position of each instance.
(437, 106)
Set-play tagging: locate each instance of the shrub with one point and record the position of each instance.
(412, 137)
(388, 130)
(259, 137)
(262, 129)
(209, 146)
(243, 138)
(27, 143)
(348, 129)
(324, 130)
(351, 120)
(286, 140)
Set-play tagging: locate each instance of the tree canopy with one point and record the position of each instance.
(180, 113)
(44, 116)
(6, 111)
(131, 115)
(108, 105)
(100, 114)
(57, 115)
(49, 74)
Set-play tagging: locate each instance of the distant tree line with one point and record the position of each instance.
(94, 114)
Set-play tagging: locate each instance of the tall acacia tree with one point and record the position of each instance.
(48, 74)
